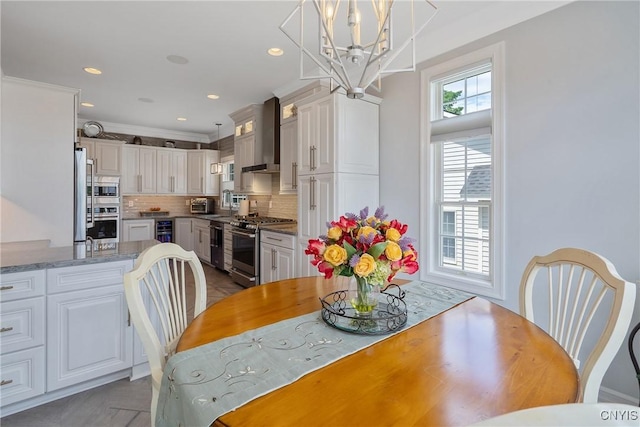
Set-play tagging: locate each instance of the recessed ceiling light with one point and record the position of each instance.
(147, 100)
(212, 96)
(87, 104)
(92, 70)
(275, 51)
(182, 119)
(177, 59)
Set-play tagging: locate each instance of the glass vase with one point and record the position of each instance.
(363, 295)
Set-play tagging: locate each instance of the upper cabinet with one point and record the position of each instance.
(171, 171)
(106, 155)
(138, 170)
(338, 134)
(199, 177)
(248, 151)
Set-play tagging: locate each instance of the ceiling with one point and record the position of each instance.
(225, 43)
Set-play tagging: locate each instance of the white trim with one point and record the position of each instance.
(495, 287)
(151, 132)
(42, 85)
(612, 396)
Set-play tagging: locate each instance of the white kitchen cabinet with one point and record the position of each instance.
(88, 332)
(138, 170)
(324, 198)
(338, 134)
(289, 157)
(171, 171)
(201, 239)
(106, 155)
(22, 326)
(248, 151)
(184, 233)
(138, 229)
(200, 180)
(277, 256)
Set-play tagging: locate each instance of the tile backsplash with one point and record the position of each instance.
(175, 205)
(282, 206)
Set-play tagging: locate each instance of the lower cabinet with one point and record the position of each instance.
(22, 336)
(194, 235)
(138, 229)
(184, 233)
(202, 239)
(277, 256)
(88, 331)
(61, 329)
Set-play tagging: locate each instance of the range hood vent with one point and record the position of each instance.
(270, 139)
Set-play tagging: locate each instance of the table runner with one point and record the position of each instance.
(201, 384)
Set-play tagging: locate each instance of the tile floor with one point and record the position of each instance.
(122, 403)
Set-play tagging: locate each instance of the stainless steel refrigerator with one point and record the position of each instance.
(83, 195)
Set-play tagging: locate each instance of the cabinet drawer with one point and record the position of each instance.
(22, 375)
(86, 276)
(278, 239)
(25, 284)
(21, 324)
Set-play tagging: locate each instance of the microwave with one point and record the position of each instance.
(106, 189)
(201, 205)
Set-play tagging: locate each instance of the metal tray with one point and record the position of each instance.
(389, 315)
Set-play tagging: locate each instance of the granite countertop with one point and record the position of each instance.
(216, 217)
(16, 261)
(282, 228)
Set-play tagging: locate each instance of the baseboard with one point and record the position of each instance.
(608, 395)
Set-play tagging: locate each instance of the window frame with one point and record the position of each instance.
(492, 286)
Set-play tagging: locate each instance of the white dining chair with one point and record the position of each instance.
(158, 300)
(568, 415)
(571, 285)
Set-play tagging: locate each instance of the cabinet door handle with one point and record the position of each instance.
(5, 382)
(273, 259)
(5, 288)
(294, 175)
(202, 184)
(312, 201)
(128, 318)
(311, 158)
(10, 328)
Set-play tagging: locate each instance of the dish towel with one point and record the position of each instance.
(201, 384)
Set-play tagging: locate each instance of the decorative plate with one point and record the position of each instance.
(92, 129)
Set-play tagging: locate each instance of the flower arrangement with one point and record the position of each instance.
(369, 247)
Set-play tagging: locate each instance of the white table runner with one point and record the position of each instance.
(201, 384)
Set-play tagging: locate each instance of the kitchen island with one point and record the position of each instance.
(65, 322)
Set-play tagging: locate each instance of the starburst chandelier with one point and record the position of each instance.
(355, 47)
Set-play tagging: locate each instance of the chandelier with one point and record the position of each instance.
(355, 47)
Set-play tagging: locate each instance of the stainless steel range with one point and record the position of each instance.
(245, 233)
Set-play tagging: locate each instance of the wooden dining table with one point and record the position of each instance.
(474, 361)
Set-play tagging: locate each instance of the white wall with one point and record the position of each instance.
(36, 155)
(572, 144)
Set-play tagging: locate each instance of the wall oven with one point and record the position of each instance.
(106, 223)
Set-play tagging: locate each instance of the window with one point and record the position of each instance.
(462, 159)
(226, 186)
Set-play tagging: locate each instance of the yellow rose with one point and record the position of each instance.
(366, 230)
(365, 266)
(393, 235)
(335, 255)
(393, 251)
(334, 233)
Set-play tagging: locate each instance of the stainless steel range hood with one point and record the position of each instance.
(270, 139)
